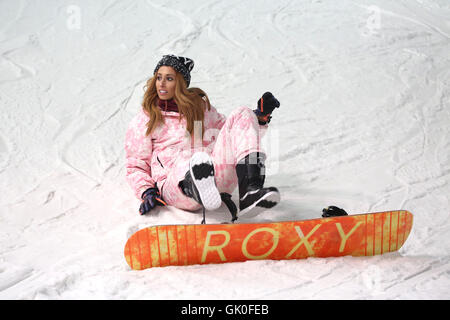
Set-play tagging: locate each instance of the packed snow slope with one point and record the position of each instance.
(364, 124)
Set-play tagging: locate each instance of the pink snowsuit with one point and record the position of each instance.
(162, 158)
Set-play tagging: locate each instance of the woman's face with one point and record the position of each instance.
(165, 82)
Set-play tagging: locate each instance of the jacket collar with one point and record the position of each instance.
(168, 105)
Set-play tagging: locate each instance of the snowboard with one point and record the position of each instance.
(356, 235)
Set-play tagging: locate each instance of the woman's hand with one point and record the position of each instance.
(150, 199)
(266, 104)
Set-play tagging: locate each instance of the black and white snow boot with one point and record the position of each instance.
(253, 197)
(199, 182)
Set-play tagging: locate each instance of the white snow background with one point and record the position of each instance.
(364, 124)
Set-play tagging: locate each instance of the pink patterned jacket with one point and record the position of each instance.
(150, 158)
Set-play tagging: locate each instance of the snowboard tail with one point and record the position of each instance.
(356, 235)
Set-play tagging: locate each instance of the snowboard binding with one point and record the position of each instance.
(333, 211)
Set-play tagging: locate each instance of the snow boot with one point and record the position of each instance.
(253, 197)
(199, 182)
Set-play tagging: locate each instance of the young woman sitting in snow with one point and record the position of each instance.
(180, 151)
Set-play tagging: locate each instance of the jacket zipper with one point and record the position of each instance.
(157, 158)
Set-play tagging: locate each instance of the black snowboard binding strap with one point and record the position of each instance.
(226, 198)
(333, 211)
(204, 215)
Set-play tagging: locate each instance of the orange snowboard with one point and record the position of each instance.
(356, 235)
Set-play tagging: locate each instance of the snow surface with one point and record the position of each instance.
(364, 124)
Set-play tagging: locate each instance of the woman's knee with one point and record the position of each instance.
(242, 111)
(242, 115)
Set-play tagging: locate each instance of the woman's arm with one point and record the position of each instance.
(138, 152)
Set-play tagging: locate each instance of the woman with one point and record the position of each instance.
(180, 151)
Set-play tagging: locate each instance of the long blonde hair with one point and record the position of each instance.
(191, 104)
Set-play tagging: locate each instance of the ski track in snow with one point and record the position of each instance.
(363, 124)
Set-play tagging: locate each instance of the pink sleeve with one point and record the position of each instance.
(138, 152)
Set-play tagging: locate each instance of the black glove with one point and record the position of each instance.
(333, 211)
(150, 199)
(265, 107)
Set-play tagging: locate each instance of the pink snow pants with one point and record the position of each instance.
(239, 136)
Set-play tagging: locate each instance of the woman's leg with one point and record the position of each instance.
(239, 137)
(172, 193)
